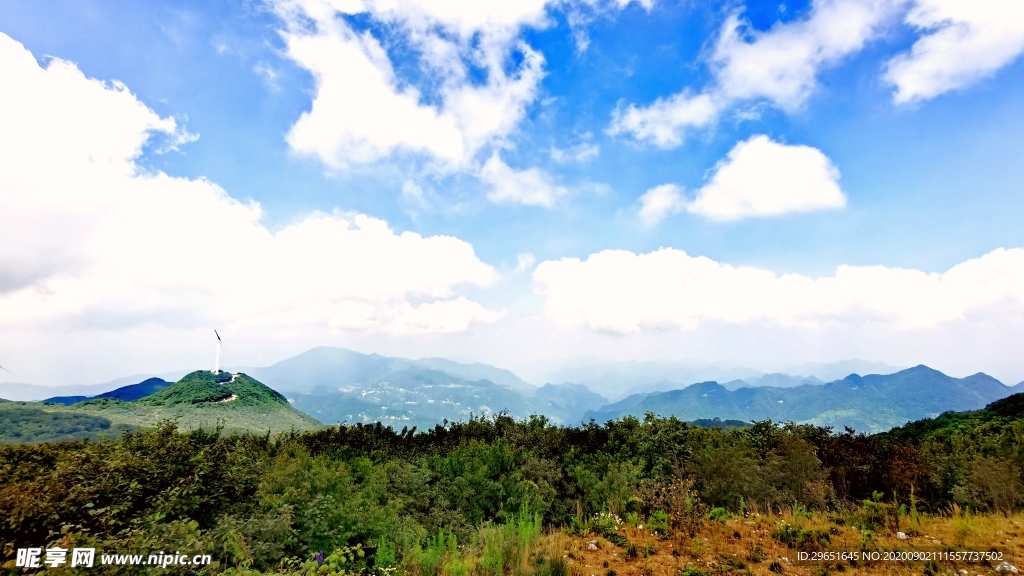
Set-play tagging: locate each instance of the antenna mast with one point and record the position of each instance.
(216, 369)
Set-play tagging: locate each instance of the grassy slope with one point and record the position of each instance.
(31, 422)
(199, 400)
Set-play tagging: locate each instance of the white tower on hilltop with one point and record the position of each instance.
(220, 352)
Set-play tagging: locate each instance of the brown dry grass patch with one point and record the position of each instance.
(747, 546)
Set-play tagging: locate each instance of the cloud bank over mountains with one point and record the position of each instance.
(621, 292)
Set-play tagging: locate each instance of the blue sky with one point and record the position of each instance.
(519, 183)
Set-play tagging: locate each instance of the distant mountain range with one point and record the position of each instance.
(870, 403)
(832, 371)
(774, 380)
(616, 380)
(326, 367)
(337, 385)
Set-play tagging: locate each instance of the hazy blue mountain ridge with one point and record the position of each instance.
(571, 401)
(832, 371)
(870, 403)
(616, 380)
(126, 393)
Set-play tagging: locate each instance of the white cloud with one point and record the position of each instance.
(961, 43)
(532, 186)
(359, 114)
(780, 65)
(462, 17)
(661, 202)
(363, 111)
(93, 243)
(665, 122)
(760, 177)
(620, 292)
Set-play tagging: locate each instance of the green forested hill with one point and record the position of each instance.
(204, 387)
(1000, 416)
(234, 402)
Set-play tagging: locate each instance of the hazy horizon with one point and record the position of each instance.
(566, 371)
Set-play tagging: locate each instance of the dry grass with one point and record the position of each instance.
(749, 546)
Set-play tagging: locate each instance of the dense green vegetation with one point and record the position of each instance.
(370, 497)
(201, 387)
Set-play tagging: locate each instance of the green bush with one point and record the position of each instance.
(659, 523)
(800, 538)
(605, 524)
(719, 515)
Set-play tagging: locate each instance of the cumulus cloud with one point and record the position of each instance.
(93, 242)
(620, 292)
(961, 43)
(759, 177)
(363, 111)
(532, 186)
(661, 202)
